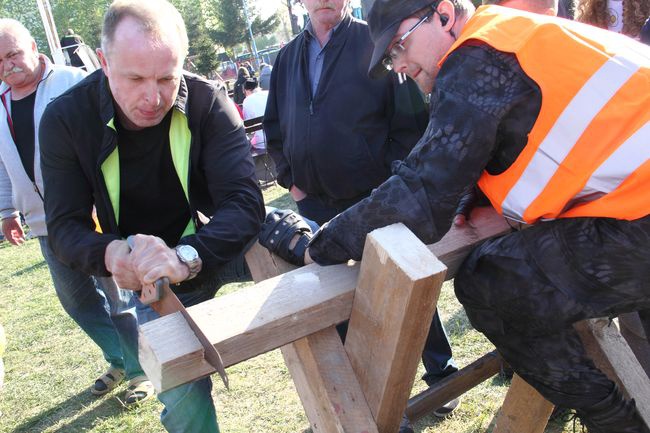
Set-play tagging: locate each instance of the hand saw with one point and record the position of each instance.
(164, 301)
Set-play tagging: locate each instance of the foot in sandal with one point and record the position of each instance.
(107, 381)
(139, 390)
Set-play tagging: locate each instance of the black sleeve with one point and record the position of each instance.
(274, 140)
(408, 118)
(476, 88)
(69, 198)
(229, 171)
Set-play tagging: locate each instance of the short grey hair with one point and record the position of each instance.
(14, 28)
(155, 17)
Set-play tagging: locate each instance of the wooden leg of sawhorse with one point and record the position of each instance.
(365, 387)
(635, 335)
(612, 355)
(525, 410)
(327, 385)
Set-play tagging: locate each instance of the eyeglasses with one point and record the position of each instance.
(398, 48)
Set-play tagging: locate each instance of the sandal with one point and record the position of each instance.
(107, 381)
(139, 390)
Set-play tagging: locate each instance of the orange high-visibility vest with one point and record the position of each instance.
(588, 152)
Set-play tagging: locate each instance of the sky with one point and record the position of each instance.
(268, 6)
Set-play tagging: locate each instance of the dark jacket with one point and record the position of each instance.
(76, 139)
(340, 142)
(475, 125)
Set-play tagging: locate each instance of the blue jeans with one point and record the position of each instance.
(189, 408)
(103, 311)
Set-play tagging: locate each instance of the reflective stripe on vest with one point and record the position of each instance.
(180, 138)
(588, 153)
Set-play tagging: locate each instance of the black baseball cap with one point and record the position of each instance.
(384, 19)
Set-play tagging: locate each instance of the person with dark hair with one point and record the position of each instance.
(163, 156)
(254, 106)
(242, 76)
(573, 164)
(70, 44)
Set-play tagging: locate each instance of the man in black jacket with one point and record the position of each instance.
(155, 151)
(334, 133)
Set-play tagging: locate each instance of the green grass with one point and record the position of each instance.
(50, 365)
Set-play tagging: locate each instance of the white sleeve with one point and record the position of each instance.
(6, 196)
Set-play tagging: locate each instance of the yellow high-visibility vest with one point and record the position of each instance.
(180, 138)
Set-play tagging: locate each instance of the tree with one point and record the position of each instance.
(201, 45)
(229, 23)
(84, 16)
(27, 13)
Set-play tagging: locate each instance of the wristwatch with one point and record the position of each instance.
(190, 258)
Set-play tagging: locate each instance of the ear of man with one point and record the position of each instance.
(447, 16)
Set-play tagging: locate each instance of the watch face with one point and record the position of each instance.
(187, 253)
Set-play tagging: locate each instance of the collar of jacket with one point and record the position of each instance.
(336, 39)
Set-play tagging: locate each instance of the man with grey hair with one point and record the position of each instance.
(156, 151)
(30, 82)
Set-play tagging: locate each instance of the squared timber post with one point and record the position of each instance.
(610, 352)
(397, 292)
(320, 369)
(524, 410)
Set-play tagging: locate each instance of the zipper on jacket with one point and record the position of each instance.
(38, 191)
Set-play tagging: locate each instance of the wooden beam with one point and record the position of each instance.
(328, 387)
(453, 386)
(632, 329)
(259, 318)
(169, 368)
(280, 310)
(320, 369)
(399, 281)
(611, 354)
(452, 249)
(524, 410)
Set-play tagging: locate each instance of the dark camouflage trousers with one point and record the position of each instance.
(526, 289)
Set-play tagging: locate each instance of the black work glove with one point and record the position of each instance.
(471, 197)
(278, 230)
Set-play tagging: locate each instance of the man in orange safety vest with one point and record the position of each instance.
(552, 119)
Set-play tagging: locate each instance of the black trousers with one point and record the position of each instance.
(526, 289)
